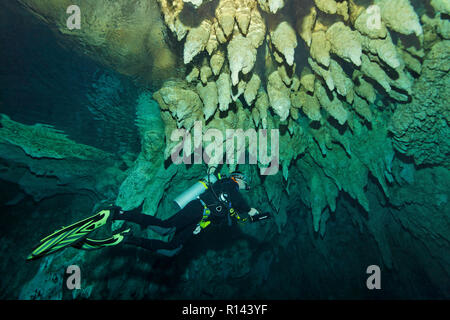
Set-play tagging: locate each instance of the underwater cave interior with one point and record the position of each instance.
(86, 117)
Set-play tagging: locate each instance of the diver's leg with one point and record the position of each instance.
(190, 214)
(165, 248)
(138, 217)
(158, 246)
(149, 244)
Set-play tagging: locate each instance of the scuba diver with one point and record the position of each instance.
(214, 200)
(201, 205)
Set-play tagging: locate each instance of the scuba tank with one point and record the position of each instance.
(194, 191)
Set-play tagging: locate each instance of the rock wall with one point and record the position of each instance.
(45, 163)
(127, 36)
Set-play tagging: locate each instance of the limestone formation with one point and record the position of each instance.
(208, 94)
(279, 96)
(182, 103)
(344, 85)
(195, 3)
(285, 40)
(171, 11)
(385, 50)
(345, 43)
(217, 61)
(400, 16)
(307, 79)
(310, 106)
(306, 22)
(244, 10)
(242, 57)
(441, 6)
(251, 90)
(224, 91)
(205, 73)
(257, 29)
(363, 108)
(363, 88)
(327, 6)
(332, 105)
(196, 40)
(225, 13)
(262, 104)
(271, 6)
(370, 25)
(320, 48)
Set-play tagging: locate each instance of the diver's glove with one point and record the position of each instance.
(255, 216)
(253, 212)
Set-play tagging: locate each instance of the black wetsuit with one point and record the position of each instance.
(186, 220)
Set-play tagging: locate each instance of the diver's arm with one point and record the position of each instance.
(238, 201)
(242, 207)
